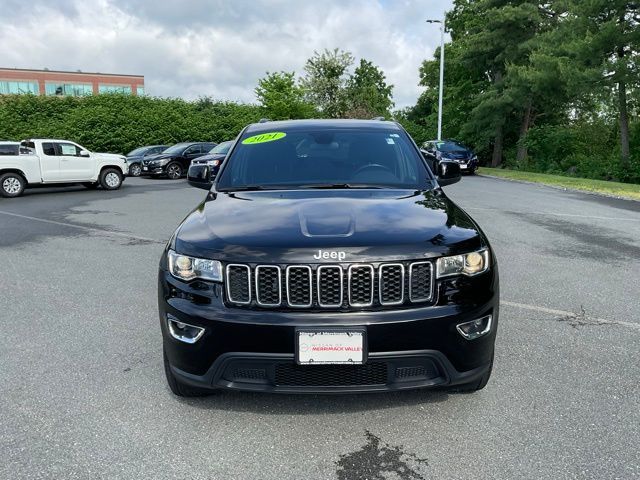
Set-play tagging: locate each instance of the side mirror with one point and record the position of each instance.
(201, 176)
(448, 173)
(85, 153)
(431, 160)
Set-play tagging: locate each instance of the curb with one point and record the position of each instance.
(557, 187)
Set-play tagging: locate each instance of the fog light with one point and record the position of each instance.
(183, 331)
(475, 328)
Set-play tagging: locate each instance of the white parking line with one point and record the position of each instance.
(571, 315)
(573, 215)
(83, 227)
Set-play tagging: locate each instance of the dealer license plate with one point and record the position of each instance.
(327, 346)
(145, 168)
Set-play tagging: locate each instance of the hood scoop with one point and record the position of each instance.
(325, 221)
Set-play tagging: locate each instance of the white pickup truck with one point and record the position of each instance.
(48, 161)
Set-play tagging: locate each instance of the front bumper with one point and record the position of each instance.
(154, 169)
(247, 349)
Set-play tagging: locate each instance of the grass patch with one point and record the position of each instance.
(625, 190)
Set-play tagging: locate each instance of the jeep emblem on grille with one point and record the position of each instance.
(330, 255)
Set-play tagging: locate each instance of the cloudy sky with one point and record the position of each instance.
(189, 48)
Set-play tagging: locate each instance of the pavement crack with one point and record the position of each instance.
(374, 461)
(581, 319)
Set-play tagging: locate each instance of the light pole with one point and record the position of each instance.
(442, 27)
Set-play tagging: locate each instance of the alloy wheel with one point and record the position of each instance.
(11, 185)
(112, 179)
(173, 172)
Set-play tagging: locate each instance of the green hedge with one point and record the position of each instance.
(119, 123)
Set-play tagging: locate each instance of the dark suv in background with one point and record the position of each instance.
(175, 160)
(135, 157)
(216, 155)
(452, 151)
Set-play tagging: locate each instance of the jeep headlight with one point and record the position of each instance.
(468, 264)
(187, 268)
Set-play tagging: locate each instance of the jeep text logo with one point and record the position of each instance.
(333, 255)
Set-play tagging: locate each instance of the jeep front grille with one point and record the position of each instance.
(329, 286)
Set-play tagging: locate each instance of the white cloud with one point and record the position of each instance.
(196, 47)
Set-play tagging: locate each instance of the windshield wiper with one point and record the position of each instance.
(243, 188)
(339, 185)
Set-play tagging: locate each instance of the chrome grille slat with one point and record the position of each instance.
(336, 286)
(330, 286)
(299, 281)
(268, 285)
(421, 281)
(238, 283)
(360, 285)
(391, 285)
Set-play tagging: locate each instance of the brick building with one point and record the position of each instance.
(53, 82)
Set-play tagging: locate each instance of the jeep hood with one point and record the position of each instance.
(291, 226)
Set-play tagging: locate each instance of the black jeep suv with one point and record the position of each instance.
(326, 258)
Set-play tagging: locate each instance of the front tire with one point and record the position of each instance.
(12, 185)
(174, 170)
(110, 179)
(177, 387)
(135, 170)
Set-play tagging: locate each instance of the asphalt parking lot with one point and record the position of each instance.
(83, 393)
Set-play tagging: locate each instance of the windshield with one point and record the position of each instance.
(222, 148)
(324, 158)
(137, 151)
(450, 147)
(177, 148)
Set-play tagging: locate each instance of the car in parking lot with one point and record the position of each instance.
(451, 150)
(175, 160)
(216, 155)
(135, 157)
(326, 258)
(51, 162)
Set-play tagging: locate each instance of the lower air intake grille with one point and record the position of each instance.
(291, 375)
(249, 374)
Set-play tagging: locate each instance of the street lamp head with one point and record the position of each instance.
(433, 21)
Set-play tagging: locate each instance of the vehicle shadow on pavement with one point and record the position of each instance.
(296, 404)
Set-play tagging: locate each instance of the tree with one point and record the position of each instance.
(492, 35)
(281, 98)
(608, 39)
(367, 92)
(325, 80)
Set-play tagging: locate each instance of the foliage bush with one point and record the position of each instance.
(120, 123)
(586, 149)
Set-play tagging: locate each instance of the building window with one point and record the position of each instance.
(115, 89)
(140, 90)
(9, 87)
(72, 89)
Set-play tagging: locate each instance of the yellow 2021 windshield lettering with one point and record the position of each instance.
(264, 138)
